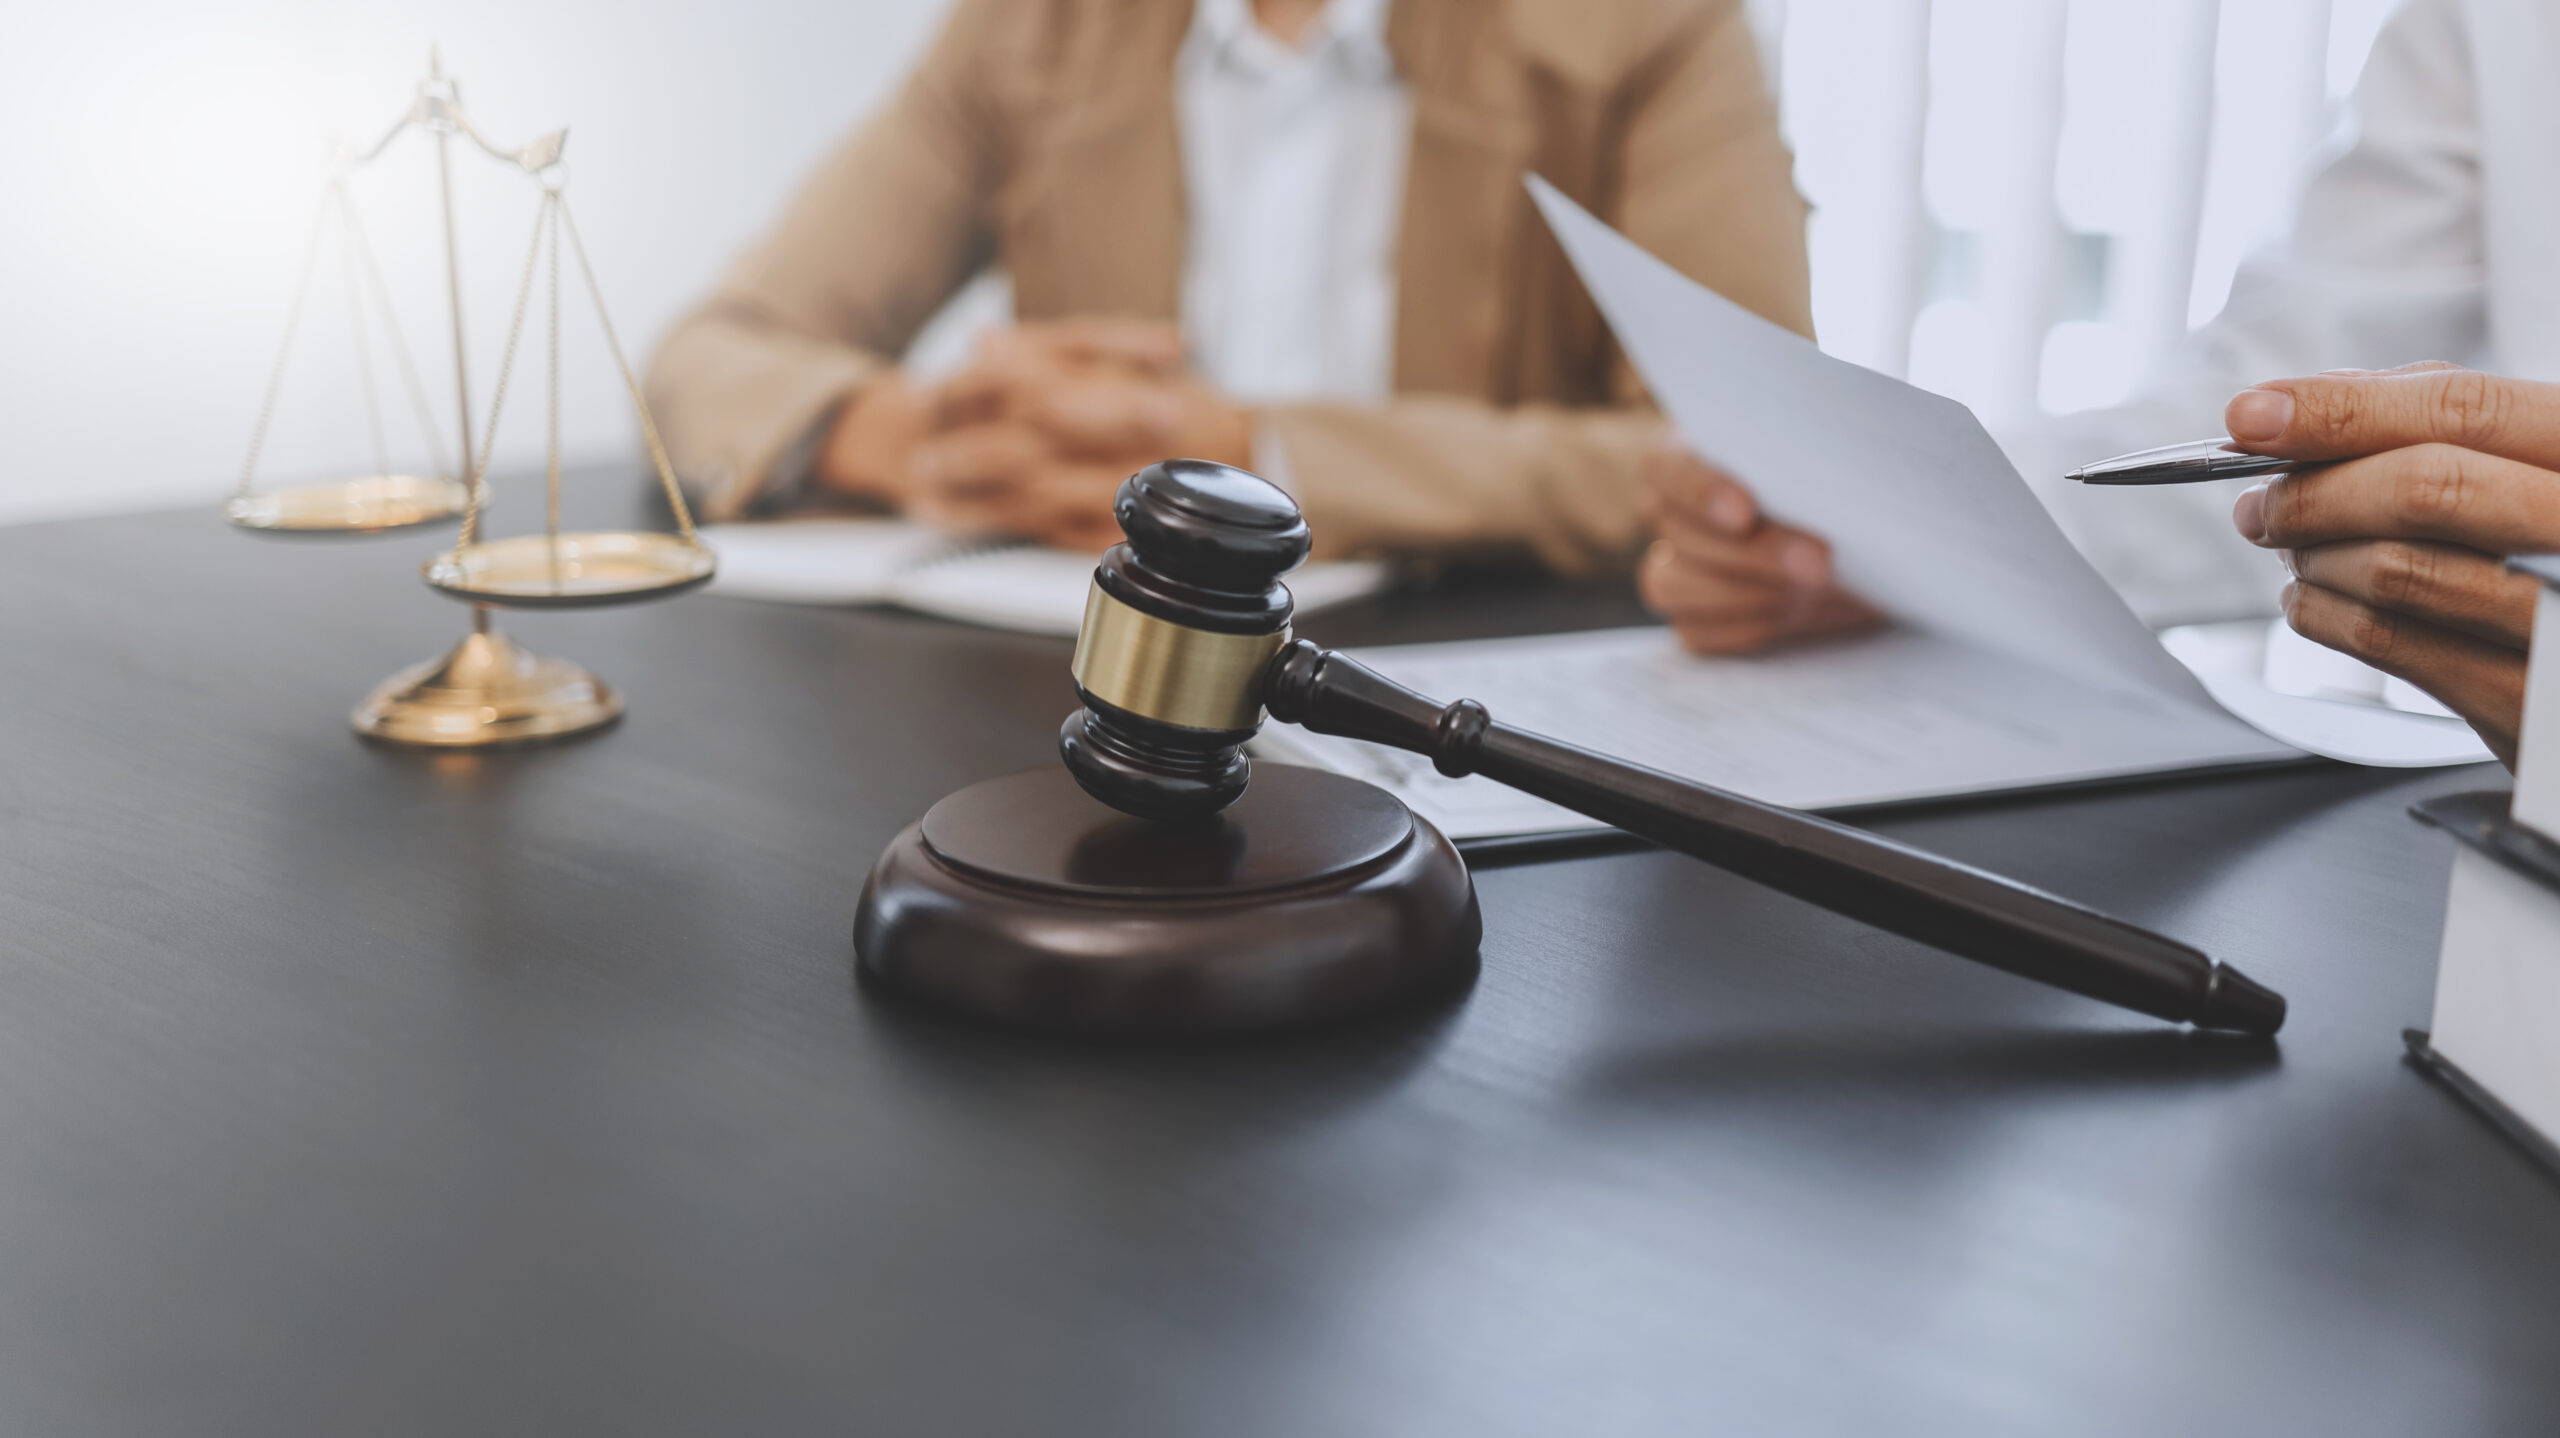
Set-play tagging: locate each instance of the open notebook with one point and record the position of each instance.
(998, 584)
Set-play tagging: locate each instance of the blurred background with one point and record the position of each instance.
(2019, 203)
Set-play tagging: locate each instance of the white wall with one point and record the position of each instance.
(2006, 208)
(164, 159)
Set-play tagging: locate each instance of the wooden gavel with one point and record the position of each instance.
(1186, 645)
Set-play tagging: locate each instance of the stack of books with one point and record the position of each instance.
(2496, 1034)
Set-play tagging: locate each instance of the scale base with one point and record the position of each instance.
(1315, 899)
(487, 693)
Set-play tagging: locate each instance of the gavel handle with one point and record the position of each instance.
(1907, 891)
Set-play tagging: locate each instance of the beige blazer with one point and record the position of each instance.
(1039, 135)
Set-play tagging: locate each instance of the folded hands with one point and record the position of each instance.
(1035, 434)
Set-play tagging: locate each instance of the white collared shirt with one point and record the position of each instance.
(1294, 163)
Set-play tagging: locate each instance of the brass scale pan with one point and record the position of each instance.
(532, 571)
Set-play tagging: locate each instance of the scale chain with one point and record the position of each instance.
(506, 367)
(355, 320)
(552, 519)
(648, 423)
(284, 351)
(397, 342)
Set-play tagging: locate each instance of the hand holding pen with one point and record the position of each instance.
(2198, 461)
(2400, 496)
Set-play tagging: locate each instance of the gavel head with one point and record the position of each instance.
(1180, 623)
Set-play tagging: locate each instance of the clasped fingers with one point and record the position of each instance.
(1106, 414)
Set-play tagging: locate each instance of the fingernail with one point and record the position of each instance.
(2259, 415)
(2249, 514)
(2285, 557)
(1731, 511)
(1802, 562)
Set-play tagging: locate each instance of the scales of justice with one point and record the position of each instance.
(487, 690)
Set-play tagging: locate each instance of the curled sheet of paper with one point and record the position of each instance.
(2231, 659)
(1925, 515)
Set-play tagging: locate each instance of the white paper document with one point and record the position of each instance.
(2242, 666)
(1925, 514)
(1892, 717)
(997, 584)
(2011, 664)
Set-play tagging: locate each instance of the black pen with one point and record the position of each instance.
(2193, 462)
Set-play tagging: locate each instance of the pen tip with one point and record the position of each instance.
(2081, 475)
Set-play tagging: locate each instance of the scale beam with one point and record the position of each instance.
(437, 108)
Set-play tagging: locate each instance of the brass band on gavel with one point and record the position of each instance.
(1168, 672)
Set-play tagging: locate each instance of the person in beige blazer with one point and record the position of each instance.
(1042, 137)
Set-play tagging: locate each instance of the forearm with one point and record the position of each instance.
(735, 400)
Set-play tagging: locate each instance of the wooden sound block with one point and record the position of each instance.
(1026, 901)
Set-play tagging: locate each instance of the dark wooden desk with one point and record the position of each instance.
(346, 1091)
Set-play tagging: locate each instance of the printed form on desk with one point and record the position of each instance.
(2011, 663)
(1889, 718)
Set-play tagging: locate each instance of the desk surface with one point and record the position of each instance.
(352, 1091)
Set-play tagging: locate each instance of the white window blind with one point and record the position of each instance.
(2025, 203)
